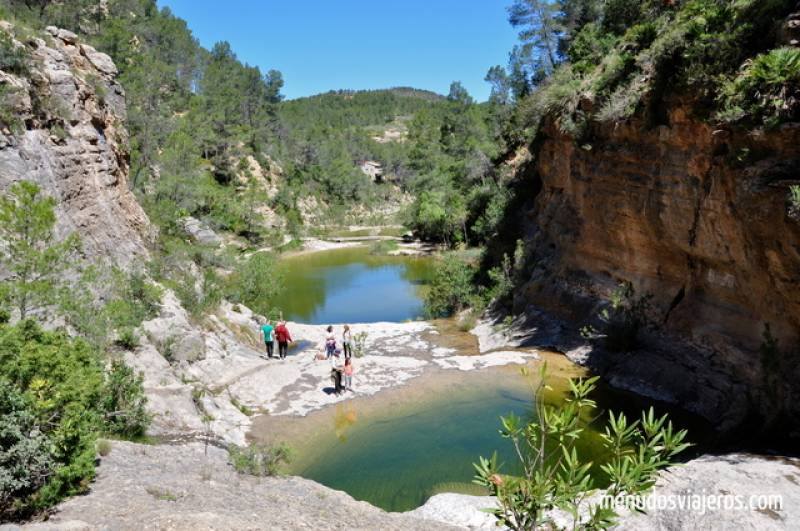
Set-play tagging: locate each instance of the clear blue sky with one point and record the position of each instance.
(320, 45)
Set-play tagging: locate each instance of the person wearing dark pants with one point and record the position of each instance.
(269, 337)
(284, 338)
(347, 341)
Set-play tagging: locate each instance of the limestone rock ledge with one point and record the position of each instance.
(751, 484)
(70, 138)
(192, 487)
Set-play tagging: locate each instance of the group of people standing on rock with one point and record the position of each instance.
(277, 333)
(341, 370)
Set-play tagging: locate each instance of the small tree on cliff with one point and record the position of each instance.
(28, 250)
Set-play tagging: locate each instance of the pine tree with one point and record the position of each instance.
(540, 30)
(28, 250)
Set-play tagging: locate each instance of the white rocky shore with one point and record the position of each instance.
(211, 378)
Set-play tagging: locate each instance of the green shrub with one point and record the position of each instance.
(26, 461)
(467, 321)
(8, 116)
(161, 493)
(259, 459)
(255, 282)
(767, 90)
(138, 299)
(794, 202)
(451, 288)
(133, 299)
(13, 59)
(103, 447)
(360, 344)
(555, 476)
(502, 279)
(63, 381)
(128, 339)
(198, 297)
(124, 403)
(61, 394)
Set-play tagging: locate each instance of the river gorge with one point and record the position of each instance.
(403, 444)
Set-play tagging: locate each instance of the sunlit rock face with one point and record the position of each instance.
(695, 216)
(71, 139)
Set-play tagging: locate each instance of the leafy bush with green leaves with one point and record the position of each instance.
(127, 339)
(360, 344)
(26, 461)
(555, 476)
(13, 59)
(616, 56)
(794, 201)
(452, 286)
(260, 459)
(198, 296)
(255, 282)
(130, 299)
(60, 393)
(767, 90)
(124, 403)
(8, 116)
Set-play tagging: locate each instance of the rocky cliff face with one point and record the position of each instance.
(70, 139)
(695, 216)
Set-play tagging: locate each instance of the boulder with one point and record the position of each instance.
(200, 232)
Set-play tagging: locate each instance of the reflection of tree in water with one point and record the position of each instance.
(344, 417)
(310, 279)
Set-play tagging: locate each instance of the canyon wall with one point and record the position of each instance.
(71, 140)
(698, 218)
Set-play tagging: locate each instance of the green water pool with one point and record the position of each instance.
(352, 285)
(398, 448)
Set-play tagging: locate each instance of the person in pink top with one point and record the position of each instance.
(348, 373)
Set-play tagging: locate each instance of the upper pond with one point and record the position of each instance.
(352, 285)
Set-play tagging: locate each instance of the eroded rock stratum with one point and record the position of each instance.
(694, 216)
(70, 139)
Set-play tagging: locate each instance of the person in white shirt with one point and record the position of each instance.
(330, 342)
(347, 342)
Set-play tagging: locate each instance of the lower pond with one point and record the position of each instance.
(401, 446)
(352, 285)
(397, 448)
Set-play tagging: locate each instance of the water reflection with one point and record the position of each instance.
(352, 285)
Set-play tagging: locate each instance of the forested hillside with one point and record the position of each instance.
(211, 137)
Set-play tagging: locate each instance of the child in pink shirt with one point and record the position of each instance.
(348, 374)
